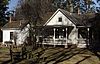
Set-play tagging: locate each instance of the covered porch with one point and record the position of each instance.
(60, 35)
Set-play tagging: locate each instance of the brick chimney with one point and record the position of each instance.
(71, 8)
(79, 12)
(10, 19)
(20, 23)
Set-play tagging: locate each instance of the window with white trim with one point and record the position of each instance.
(60, 19)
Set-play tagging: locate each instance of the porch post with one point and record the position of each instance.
(88, 36)
(66, 40)
(54, 37)
(77, 29)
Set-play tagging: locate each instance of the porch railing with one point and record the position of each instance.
(58, 41)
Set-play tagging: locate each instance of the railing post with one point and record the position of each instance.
(66, 46)
(88, 35)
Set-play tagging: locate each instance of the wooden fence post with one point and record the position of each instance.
(11, 56)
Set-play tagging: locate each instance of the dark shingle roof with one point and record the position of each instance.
(45, 18)
(15, 25)
(78, 20)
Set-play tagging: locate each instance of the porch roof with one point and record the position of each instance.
(55, 26)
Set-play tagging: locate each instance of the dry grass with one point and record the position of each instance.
(57, 55)
(4, 54)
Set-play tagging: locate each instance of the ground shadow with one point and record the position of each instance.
(94, 42)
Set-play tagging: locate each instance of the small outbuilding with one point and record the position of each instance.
(15, 32)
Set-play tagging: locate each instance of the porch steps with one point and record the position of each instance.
(81, 43)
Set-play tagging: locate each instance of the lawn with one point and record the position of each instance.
(4, 55)
(55, 55)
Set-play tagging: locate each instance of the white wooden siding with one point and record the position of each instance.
(65, 20)
(21, 35)
(73, 36)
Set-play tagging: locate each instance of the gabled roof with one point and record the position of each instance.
(78, 20)
(15, 25)
(67, 14)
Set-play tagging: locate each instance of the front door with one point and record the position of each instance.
(60, 35)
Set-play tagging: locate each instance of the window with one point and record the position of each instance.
(11, 35)
(60, 19)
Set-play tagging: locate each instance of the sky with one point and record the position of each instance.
(12, 4)
(97, 4)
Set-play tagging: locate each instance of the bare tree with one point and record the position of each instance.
(33, 11)
(15, 36)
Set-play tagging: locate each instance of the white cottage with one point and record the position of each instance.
(63, 28)
(15, 32)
